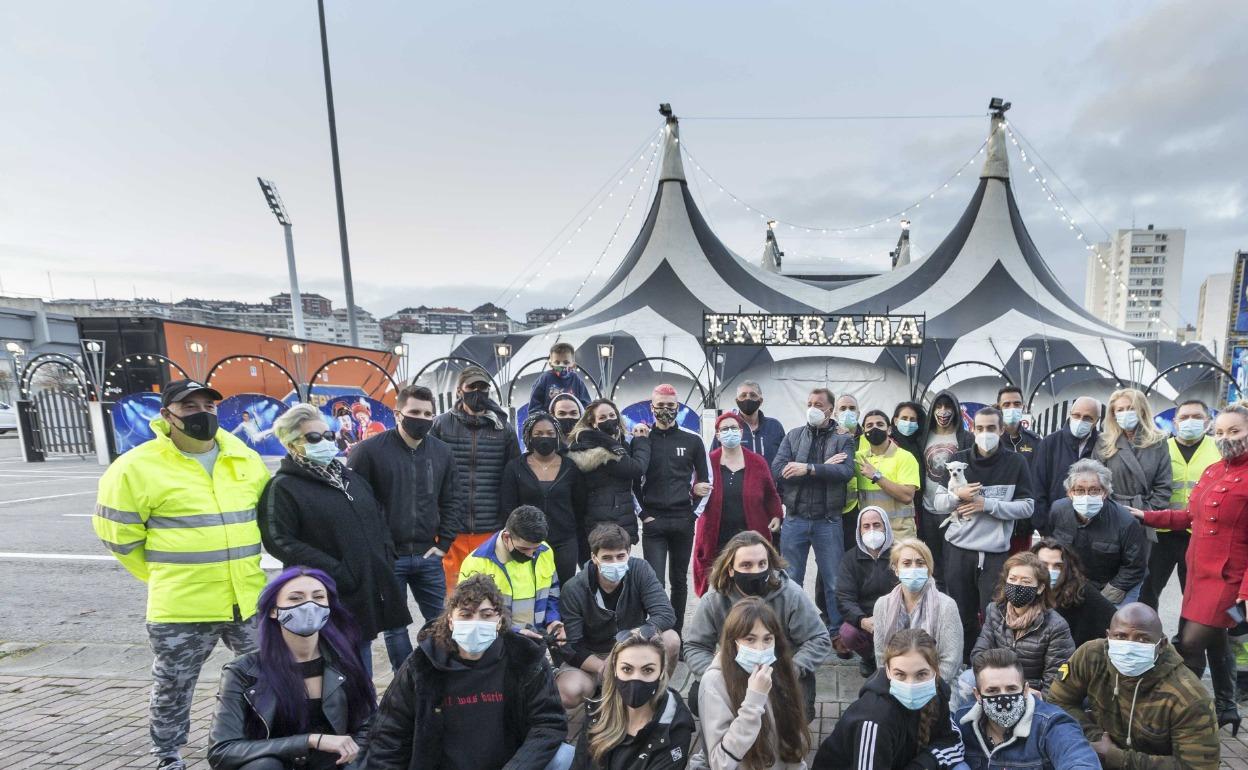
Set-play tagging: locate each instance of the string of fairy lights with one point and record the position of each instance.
(628, 212)
(1065, 215)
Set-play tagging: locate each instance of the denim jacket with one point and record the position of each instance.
(1046, 737)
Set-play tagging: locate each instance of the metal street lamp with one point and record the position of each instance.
(401, 363)
(93, 360)
(199, 357)
(333, 149)
(1026, 365)
(299, 353)
(606, 351)
(278, 208)
(1136, 357)
(912, 373)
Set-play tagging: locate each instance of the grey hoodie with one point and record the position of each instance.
(863, 578)
(797, 613)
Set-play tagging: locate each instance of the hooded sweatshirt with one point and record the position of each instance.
(864, 578)
(1161, 719)
(473, 697)
(798, 614)
(729, 734)
(937, 449)
(1007, 495)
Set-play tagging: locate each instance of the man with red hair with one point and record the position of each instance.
(676, 477)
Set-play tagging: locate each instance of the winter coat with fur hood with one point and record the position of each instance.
(610, 467)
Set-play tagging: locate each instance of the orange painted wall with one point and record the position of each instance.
(255, 376)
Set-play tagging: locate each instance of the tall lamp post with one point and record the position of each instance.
(912, 373)
(15, 351)
(279, 210)
(342, 213)
(605, 352)
(401, 363)
(1136, 358)
(1026, 365)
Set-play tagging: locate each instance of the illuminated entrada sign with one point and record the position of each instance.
(813, 330)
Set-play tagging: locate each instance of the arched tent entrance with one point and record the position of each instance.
(368, 389)
(254, 359)
(52, 410)
(439, 376)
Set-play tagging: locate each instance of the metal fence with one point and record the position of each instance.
(63, 425)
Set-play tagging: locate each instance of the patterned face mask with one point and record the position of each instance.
(1005, 710)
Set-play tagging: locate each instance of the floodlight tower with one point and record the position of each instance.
(279, 210)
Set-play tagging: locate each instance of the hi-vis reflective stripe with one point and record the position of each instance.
(121, 517)
(202, 557)
(202, 519)
(122, 548)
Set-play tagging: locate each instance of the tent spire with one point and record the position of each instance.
(901, 254)
(997, 164)
(773, 257)
(673, 170)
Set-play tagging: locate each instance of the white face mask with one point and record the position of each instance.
(1079, 428)
(1127, 419)
(987, 441)
(815, 417)
(873, 539)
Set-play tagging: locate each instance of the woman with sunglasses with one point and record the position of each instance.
(639, 723)
(318, 513)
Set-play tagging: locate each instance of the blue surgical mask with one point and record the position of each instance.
(474, 636)
(1191, 428)
(1079, 428)
(730, 438)
(613, 572)
(912, 696)
(749, 658)
(1127, 419)
(1132, 658)
(1088, 506)
(906, 427)
(1054, 576)
(1012, 415)
(848, 419)
(322, 452)
(913, 578)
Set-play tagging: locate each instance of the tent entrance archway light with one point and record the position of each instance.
(1188, 365)
(927, 386)
(1071, 368)
(44, 359)
(294, 383)
(358, 359)
(692, 375)
(469, 362)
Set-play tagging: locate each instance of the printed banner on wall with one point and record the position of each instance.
(131, 415)
(356, 418)
(250, 416)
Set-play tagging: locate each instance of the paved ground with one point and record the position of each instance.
(73, 651)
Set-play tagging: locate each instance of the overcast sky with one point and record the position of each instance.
(472, 133)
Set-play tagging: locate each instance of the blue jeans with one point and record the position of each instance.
(1133, 595)
(427, 582)
(797, 537)
(366, 657)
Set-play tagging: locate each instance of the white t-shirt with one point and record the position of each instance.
(207, 459)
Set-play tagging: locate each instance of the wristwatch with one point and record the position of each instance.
(875, 477)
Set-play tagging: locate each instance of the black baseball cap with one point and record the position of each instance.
(180, 389)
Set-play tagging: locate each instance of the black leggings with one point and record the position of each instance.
(1198, 642)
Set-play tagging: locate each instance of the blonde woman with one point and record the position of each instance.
(917, 603)
(640, 723)
(1135, 452)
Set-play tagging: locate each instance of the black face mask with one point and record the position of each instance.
(609, 427)
(200, 426)
(566, 424)
(416, 427)
(476, 400)
(1020, 596)
(637, 693)
(748, 406)
(520, 557)
(544, 445)
(751, 583)
(877, 436)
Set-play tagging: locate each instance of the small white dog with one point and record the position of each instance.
(957, 480)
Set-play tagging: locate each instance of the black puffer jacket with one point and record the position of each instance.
(305, 520)
(1042, 649)
(407, 729)
(482, 445)
(245, 708)
(663, 744)
(610, 468)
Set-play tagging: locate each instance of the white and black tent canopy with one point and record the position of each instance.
(986, 291)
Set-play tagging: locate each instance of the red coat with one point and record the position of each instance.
(759, 498)
(1217, 558)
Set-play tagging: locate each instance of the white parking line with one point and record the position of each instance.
(46, 497)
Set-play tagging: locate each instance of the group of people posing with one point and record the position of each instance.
(546, 643)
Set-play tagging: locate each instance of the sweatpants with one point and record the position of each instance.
(180, 650)
(971, 577)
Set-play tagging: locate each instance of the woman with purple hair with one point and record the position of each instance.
(304, 699)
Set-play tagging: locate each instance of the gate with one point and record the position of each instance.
(62, 425)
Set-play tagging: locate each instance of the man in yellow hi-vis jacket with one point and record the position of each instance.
(179, 512)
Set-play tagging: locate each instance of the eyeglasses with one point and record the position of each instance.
(316, 438)
(1093, 491)
(646, 633)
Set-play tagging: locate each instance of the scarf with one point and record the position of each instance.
(1020, 621)
(592, 438)
(923, 616)
(331, 474)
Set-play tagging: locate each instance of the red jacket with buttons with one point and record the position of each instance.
(1217, 558)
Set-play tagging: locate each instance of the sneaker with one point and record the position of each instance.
(171, 763)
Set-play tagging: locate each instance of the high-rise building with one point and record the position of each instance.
(1149, 262)
(1214, 311)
